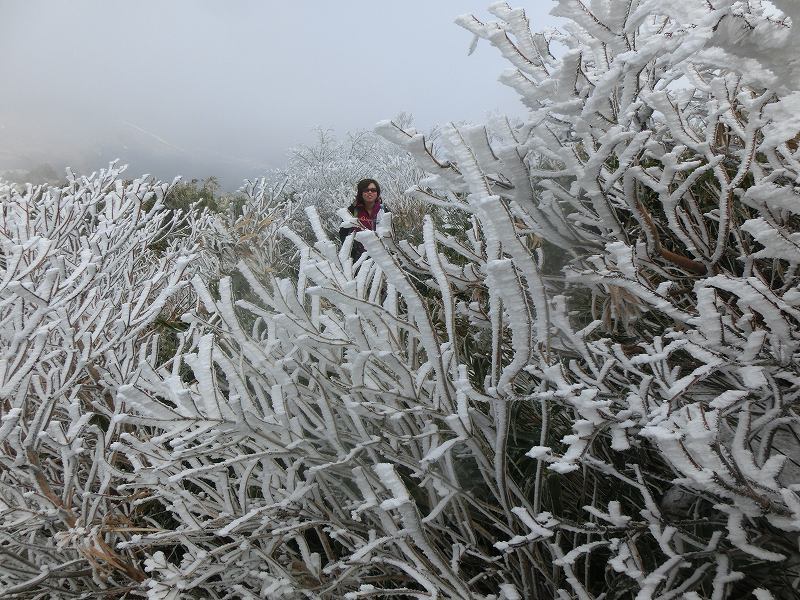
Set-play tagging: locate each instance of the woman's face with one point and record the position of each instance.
(370, 194)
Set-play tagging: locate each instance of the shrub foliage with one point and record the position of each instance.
(586, 389)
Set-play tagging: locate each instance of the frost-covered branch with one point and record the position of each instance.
(89, 270)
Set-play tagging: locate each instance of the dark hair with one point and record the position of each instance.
(361, 186)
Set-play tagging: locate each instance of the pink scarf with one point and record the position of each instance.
(367, 219)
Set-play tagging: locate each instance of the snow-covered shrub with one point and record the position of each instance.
(87, 272)
(248, 231)
(660, 153)
(590, 395)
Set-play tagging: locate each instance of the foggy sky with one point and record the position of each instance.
(226, 88)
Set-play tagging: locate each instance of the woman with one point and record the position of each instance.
(367, 212)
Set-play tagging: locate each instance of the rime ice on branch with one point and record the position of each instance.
(88, 269)
(587, 391)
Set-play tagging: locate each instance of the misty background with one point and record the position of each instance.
(201, 88)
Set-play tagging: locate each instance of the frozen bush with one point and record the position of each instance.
(588, 393)
(89, 271)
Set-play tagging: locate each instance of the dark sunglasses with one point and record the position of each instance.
(370, 190)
